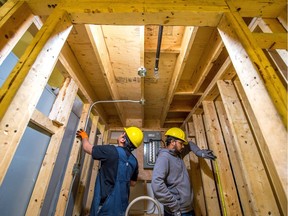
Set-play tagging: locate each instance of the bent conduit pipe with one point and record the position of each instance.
(110, 101)
(143, 198)
(75, 169)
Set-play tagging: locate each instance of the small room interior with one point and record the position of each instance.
(216, 69)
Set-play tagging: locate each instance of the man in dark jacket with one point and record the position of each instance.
(119, 171)
(170, 179)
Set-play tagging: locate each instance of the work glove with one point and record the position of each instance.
(81, 134)
(204, 153)
(178, 213)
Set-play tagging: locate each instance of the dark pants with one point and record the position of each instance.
(191, 213)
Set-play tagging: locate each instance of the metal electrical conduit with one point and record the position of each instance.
(143, 198)
(77, 165)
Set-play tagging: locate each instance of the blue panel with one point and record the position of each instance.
(55, 184)
(19, 181)
(46, 100)
(7, 66)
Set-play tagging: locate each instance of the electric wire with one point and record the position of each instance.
(143, 198)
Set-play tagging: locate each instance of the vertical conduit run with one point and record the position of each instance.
(156, 69)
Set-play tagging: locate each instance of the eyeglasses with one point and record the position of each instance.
(180, 142)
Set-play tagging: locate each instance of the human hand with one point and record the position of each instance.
(206, 153)
(81, 134)
(178, 213)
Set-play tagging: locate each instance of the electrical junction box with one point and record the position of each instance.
(152, 144)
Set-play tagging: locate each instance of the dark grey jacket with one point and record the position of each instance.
(170, 182)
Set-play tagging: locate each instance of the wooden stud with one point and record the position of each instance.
(85, 171)
(12, 27)
(16, 101)
(266, 115)
(252, 67)
(94, 173)
(230, 204)
(208, 181)
(253, 171)
(264, 149)
(61, 111)
(242, 188)
(73, 160)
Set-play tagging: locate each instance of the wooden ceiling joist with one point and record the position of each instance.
(188, 39)
(99, 46)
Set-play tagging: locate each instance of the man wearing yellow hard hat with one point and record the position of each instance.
(170, 179)
(119, 171)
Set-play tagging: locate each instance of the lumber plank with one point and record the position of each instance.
(230, 204)
(242, 188)
(254, 72)
(194, 171)
(255, 177)
(211, 91)
(78, 203)
(271, 40)
(199, 205)
(71, 65)
(188, 39)
(61, 111)
(7, 7)
(65, 192)
(257, 94)
(12, 27)
(207, 60)
(43, 122)
(98, 43)
(142, 13)
(208, 181)
(30, 74)
(94, 172)
(262, 145)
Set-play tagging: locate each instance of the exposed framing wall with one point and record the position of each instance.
(18, 108)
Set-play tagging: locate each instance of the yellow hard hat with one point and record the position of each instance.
(135, 135)
(176, 133)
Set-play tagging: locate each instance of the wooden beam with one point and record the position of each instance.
(209, 56)
(256, 91)
(13, 25)
(188, 39)
(265, 149)
(74, 158)
(258, 8)
(6, 8)
(148, 12)
(255, 177)
(60, 112)
(82, 186)
(211, 91)
(30, 75)
(242, 188)
(98, 43)
(271, 40)
(254, 72)
(230, 204)
(94, 172)
(43, 122)
(208, 181)
(70, 63)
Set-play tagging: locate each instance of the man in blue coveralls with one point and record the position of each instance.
(119, 171)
